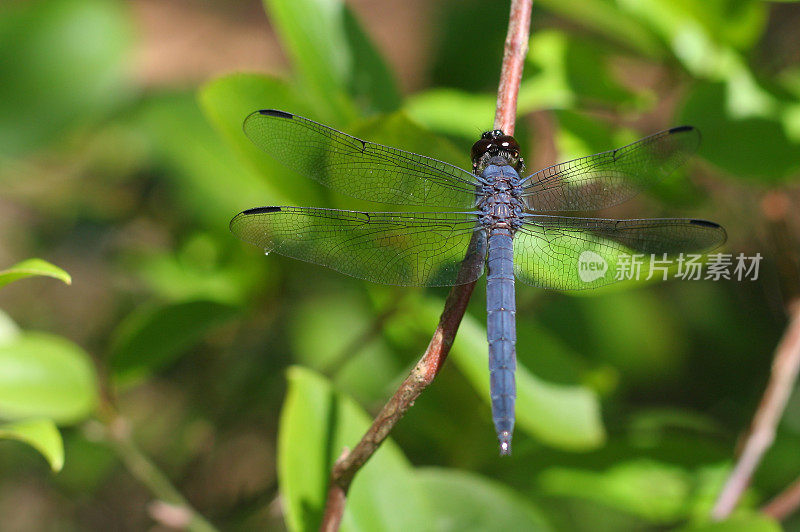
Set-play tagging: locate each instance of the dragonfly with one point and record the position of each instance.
(490, 216)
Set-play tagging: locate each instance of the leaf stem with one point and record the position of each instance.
(171, 508)
(118, 434)
(785, 365)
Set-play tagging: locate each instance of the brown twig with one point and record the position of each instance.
(428, 367)
(516, 48)
(785, 503)
(783, 375)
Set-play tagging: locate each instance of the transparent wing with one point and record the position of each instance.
(358, 168)
(579, 253)
(414, 249)
(608, 178)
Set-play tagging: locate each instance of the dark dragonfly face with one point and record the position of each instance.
(492, 144)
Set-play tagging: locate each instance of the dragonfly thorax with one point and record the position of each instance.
(500, 201)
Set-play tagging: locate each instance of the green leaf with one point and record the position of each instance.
(372, 84)
(658, 492)
(465, 501)
(737, 523)
(31, 268)
(152, 338)
(64, 62)
(562, 416)
(335, 60)
(207, 179)
(612, 22)
(719, 23)
(451, 111)
(621, 332)
(43, 375)
(197, 270)
(227, 101)
(730, 142)
(455, 57)
(364, 376)
(565, 71)
(41, 434)
(314, 36)
(317, 423)
(8, 329)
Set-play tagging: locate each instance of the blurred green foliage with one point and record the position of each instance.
(243, 377)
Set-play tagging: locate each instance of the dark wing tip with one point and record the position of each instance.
(256, 210)
(704, 223)
(261, 210)
(275, 112)
(678, 129)
(719, 231)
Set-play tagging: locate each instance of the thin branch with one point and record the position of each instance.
(783, 375)
(516, 48)
(785, 503)
(432, 360)
(171, 506)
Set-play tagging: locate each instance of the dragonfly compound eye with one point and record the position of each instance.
(480, 147)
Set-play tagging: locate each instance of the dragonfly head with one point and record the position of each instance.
(492, 144)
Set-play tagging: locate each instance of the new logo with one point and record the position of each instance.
(591, 266)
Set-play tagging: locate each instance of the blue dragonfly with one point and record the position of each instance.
(512, 224)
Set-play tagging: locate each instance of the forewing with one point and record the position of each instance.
(414, 249)
(579, 253)
(358, 168)
(608, 178)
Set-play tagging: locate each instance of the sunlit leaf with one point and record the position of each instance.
(41, 434)
(152, 338)
(658, 492)
(608, 19)
(465, 501)
(317, 423)
(564, 71)
(32, 268)
(43, 375)
(314, 35)
(723, 22)
(452, 112)
(8, 329)
(227, 101)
